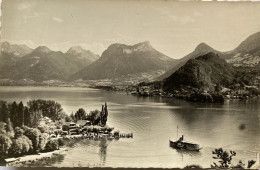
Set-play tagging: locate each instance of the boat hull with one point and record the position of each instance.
(184, 146)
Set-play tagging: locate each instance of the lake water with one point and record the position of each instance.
(153, 121)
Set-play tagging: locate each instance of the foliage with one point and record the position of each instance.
(18, 132)
(34, 135)
(52, 145)
(80, 114)
(2, 128)
(4, 112)
(201, 97)
(223, 157)
(27, 116)
(61, 142)
(43, 139)
(94, 117)
(65, 128)
(71, 118)
(35, 118)
(217, 98)
(5, 144)
(9, 128)
(48, 108)
(13, 113)
(44, 129)
(22, 145)
(250, 163)
(20, 114)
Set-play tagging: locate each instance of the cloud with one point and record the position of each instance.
(57, 19)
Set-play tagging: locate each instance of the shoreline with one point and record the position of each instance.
(34, 157)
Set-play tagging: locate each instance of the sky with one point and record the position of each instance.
(174, 28)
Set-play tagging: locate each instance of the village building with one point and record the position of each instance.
(83, 123)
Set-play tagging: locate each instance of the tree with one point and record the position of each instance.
(5, 112)
(94, 117)
(2, 128)
(5, 144)
(20, 146)
(33, 134)
(80, 114)
(18, 132)
(48, 108)
(1, 113)
(72, 117)
(13, 114)
(103, 115)
(43, 139)
(27, 116)
(35, 118)
(9, 128)
(52, 145)
(224, 158)
(44, 129)
(20, 114)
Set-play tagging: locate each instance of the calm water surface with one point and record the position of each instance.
(153, 120)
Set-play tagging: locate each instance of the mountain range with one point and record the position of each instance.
(116, 62)
(120, 60)
(247, 54)
(21, 62)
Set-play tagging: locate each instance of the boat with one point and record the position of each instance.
(184, 145)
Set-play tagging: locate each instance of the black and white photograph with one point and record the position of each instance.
(130, 84)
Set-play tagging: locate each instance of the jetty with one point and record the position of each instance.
(110, 136)
(35, 157)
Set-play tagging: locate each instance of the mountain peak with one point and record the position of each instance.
(75, 50)
(43, 49)
(203, 47)
(144, 43)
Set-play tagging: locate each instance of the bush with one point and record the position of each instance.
(18, 132)
(5, 144)
(217, 98)
(200, 97)
(22, 145)
(43, 139)
(65, 128)
(61, 142)
(44, 129)
(34, 135)
(52, 145)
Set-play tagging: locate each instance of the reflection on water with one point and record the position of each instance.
(103, 151)
(153, 121)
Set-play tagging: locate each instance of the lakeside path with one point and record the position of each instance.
(31, 158)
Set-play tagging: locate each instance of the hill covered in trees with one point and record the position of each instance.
(204, 72)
